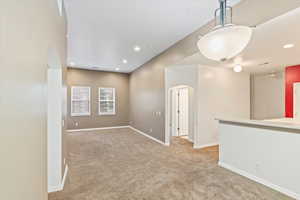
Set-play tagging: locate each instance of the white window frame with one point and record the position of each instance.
(99, 102)
(80, 114)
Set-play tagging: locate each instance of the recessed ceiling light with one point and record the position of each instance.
(273, 74)
(125, 61)
(137, 48)
(117, 69)
(287, 46)
(238, 68)
(72, 64)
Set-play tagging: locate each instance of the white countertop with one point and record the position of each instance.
(273, 123)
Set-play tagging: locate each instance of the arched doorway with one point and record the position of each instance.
(181, 80)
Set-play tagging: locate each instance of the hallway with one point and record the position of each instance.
(120, 164)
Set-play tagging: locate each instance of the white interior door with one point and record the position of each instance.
(297, 101)
(183, 111)
(173, 109)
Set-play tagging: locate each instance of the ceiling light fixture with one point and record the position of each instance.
(137, 48)
(287, 46)
(226, 40)
(272, 75)
(117, 69)
(238, 68)
(72, 64)
(124, 61)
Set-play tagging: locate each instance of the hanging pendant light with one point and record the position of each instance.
(226, 40)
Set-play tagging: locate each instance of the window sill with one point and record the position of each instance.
(80, 115)
(106, 114)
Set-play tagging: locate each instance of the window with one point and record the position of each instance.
(80, 101)
(107, 102)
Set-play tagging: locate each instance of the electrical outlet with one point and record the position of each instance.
(76, 123)
(150, 130)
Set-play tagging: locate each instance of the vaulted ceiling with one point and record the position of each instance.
(266, 53)
(102, 34)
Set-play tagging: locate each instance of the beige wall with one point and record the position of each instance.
(177, 76)
(222, 93)
(268, 96)
(218, 92)
(27, 30)
(96, 79)
(147, 82)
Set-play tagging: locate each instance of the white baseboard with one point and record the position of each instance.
(54, 188)
(190, 140)
(96, 129)
(206, 145)
(61, 186)
(148, 136)
(260, 180)
(65, 177)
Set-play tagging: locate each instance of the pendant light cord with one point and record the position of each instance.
(223, 12)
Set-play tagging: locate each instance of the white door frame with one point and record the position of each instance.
(168, 123)
(175, 107)
(55, 122)
(182, 121)
(172, 114)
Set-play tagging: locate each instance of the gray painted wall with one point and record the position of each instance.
(267, 96)
(96, 79)
(147, 96)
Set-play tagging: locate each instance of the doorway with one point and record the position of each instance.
(180, 111)
(179, 115)
(177, 78)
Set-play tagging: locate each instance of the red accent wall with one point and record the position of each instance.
(292, 75)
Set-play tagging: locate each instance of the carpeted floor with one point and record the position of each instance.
(123, 165)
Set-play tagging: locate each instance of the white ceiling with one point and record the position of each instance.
(266, 47)
(101, 33)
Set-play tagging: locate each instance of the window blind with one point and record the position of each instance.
(80, 101)
(107, 104)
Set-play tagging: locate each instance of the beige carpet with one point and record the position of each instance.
(123, 165)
